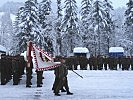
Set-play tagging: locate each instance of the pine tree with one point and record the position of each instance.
(98, 23)
(17, 30)
(46, 26)
(86, 25)
(109, 27)
(6, 30)
(129, 22)
(28, 24)
(70, 27)
(58, 29)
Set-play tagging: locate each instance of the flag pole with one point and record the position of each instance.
(77, 74)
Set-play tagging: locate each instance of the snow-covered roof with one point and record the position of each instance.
(116, 49)
(80, 50)
(2, 48)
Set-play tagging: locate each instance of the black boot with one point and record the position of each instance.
(39, 85)
(28, 86)
(69, 93)
(63, 90)
(57, 94)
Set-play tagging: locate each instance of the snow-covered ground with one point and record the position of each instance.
(96, 85)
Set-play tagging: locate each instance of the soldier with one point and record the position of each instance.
(123, 62)
(69, 62)
(61, 72)
(29, 73)
(90, 63)
(94, 63)
(131, 62)
(84, 62)
(115, 62)
(39, 78)
(105, 62)
(127, 63)
(23, 64)
(120, 62)
(3, 70)
(110, 63)
(15, 66)
(56, 74)
(100, 62)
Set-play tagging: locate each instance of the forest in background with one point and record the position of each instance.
(58, 27)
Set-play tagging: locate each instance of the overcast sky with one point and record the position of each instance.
(116, 3)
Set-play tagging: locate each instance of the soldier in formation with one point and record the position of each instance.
(29, 68)
(61, 75)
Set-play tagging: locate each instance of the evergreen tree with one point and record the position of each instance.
(46, 26)
(58, 29)
(129, 22)
(98, 23)
(28, 24)
(6, 30)
(70, 27)
(109, 35)
(86, 25)
(17, 30)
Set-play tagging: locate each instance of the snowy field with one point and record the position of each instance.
(96, 85)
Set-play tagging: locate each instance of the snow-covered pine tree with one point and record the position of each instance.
(28, 24)
(129, 23)
(108, 38)
(16, 25)
(6, 30)
(58, 29)
(86, 25)
(98, 23)
(44, 16)
(70, 27)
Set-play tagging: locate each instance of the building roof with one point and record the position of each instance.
(80, 50)
(116, 49)
(2, 49)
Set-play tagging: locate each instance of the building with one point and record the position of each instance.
(81, 51)
(116, 51)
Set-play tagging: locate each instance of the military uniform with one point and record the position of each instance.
(94, 63)
(15, 66)
(29, 74)
(100, 63)
(105, 62)
(111, 63)
(61, 73)
(90, 62)
(3, 70)
(131, 62)
(39, 78)
(123, 62)
(115, 62)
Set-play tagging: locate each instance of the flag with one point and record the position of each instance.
(43, 60)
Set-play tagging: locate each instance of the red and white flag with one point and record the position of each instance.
(43, 60)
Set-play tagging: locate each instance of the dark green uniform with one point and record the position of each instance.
(39, 78)
(123, 62)
(61, 75)
(131, 62)
(29, 75)
(111, 63)
(83, 63)
(15, 66)
(100, 63)
(105, 62)
(94, 63)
